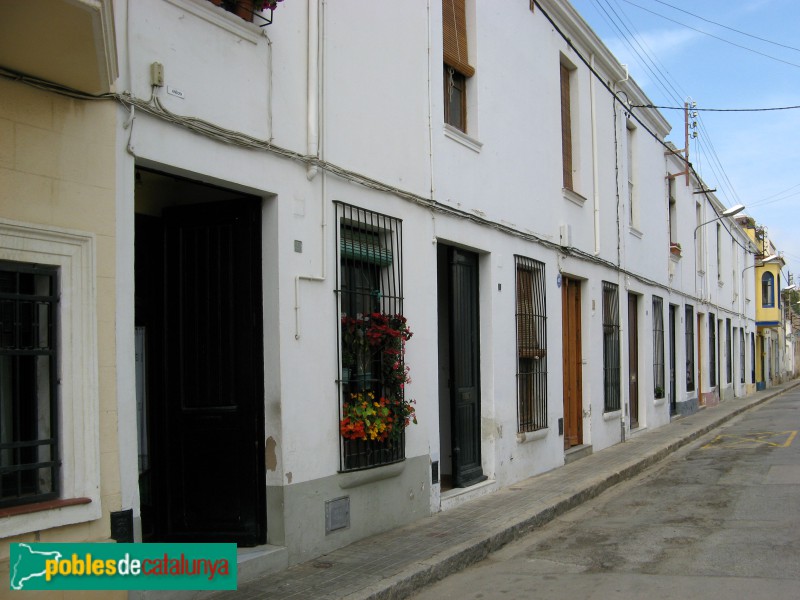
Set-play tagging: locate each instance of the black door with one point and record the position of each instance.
(465, 368)
(207, 413)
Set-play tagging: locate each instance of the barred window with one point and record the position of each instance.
(658, 347)
(689, 348)
(728, 352)
(741, 354)
(531, 345)
(611, 358)
(712, 349)
(29, 461)
(372, 334)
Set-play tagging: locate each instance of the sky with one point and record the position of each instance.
(674, 52)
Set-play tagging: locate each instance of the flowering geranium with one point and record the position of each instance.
(267, 4)
(377, 340)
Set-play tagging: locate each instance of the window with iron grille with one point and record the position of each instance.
(712, 349)
(689, 348)
(741, 354)
(728, 352)
(611, 358)
(29, 461)
(658, 347)
(531, 345)
(370, 298)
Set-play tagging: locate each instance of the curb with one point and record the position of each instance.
(461, 556)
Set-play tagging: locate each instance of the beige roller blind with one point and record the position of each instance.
(454, 26)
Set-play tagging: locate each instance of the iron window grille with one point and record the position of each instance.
(611, 357)
(658, 347)
(728, 352)
(29, 459)
(531, 318)
(741, 355)
(689, 348)
(370, 280)
(712, 349)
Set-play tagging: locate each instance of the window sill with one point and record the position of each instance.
(358, 478)
(635, 232)
(613, 415)
(659, 401)
(573, 197)
(462, 138)
(27, 509)
(524, 437)
(223, 19)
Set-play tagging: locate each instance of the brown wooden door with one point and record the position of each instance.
(633, 360)
(701, 401)
(571, 359)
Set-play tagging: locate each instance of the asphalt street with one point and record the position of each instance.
(718, 519)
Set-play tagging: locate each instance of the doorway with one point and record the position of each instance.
(633, 359)
(459, 368)
(200, 366)
(572, 361)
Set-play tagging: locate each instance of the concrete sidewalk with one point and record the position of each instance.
(397, 563)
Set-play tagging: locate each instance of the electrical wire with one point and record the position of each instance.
(771, 108)
(716, 37)
(750, 35)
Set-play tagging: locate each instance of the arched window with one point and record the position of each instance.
(767, 290)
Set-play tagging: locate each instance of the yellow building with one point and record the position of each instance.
(59, 459)
(767, 285)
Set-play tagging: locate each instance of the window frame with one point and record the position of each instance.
(611, 351)
(34, 433)
(712, 350)
(691, 379)
(767, 290)
(369, 242)
(74, 254)
(658, 348)
(531, 344)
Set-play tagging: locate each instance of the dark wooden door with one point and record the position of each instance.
(571, 361)
(465, 367)
(211, 460)
(673, 396)
(633, 360)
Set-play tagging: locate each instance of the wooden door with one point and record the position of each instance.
(210, 436)
(572, 362)
(633, 360)
(465, 368)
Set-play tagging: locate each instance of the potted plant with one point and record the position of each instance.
(675, 248)
(659, 392)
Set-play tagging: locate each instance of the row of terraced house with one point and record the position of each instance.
(292, 278)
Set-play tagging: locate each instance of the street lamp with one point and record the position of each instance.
(729, 212)
(769, 258)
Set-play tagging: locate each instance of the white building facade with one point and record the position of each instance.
(285, 193)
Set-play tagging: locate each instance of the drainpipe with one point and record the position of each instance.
(313, 86)
(313, 150)
(595, 162)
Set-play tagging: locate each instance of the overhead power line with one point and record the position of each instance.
(750, 35)
(717, 109)
(716, 37)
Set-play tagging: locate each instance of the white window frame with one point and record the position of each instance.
(74, 253)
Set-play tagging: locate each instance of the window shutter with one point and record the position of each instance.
(566, 129)
(527, 344)
(364, 247)
(454, 31)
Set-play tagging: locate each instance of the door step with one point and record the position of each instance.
(576, 453)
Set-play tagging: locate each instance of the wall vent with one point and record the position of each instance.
(337, 514)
